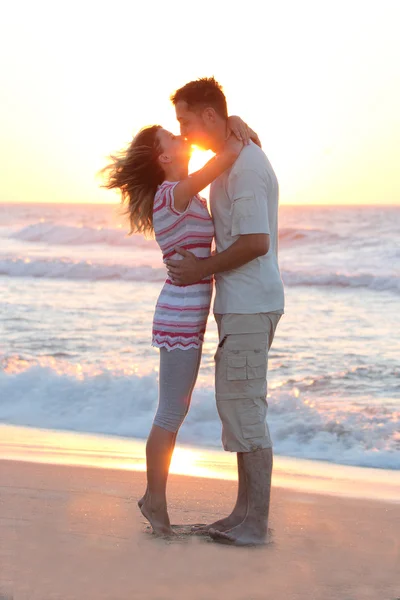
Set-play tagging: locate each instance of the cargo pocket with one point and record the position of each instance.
(236, 367)
(252, 420)
(256, 365)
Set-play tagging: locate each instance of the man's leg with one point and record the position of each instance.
(240, 509)
(242, 407)
(253, 529)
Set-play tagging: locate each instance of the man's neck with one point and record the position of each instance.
(219, 136)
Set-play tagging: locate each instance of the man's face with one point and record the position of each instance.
(193, 126)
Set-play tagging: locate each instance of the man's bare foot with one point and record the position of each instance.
(248, 533)
(222, 525)
(158, 518)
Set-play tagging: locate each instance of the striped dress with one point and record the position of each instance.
(181, 312)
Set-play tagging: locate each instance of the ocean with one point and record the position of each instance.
(77, 297)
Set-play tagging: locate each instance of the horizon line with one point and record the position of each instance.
(281, 204)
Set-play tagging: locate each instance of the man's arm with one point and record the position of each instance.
(249, 223)
(192, 269)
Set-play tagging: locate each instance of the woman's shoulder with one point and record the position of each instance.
(166, 186)
(163, 193)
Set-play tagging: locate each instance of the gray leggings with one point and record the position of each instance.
(178, 374)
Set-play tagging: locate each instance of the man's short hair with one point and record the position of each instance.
(201, 94)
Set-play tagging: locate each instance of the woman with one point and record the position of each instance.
(162, 199)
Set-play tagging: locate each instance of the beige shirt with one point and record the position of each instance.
(244, 200)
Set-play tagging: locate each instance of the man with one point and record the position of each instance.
(248, 304)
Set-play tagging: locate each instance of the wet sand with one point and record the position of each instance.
(74, 533)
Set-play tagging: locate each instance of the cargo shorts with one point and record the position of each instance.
(241, 364)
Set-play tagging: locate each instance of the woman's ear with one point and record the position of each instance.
(164, 159)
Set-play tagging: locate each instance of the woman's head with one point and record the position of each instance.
(141, 168)
(175, 151)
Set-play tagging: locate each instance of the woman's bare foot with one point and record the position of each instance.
(142, 499)
(222, 525)
(158, 518)
(248, 533)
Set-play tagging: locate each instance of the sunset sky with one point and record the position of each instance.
(318, 80)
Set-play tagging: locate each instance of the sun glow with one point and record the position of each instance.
(183, 461)
(199, 158)
(186, 461)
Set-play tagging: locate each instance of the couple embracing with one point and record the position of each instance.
(163, 199)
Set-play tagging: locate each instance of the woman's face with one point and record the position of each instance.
(175, 149)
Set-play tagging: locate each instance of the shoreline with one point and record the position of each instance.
(76, 449)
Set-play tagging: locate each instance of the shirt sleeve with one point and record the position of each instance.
(164, 197)
(247, 190)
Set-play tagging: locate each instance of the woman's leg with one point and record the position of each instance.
(177, 378)
(143, 498)
(175, 414)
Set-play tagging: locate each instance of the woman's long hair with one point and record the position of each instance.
(137, 173)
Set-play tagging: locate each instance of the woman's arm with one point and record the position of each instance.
(189, 187)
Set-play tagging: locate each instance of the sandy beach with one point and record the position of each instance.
(74, 532)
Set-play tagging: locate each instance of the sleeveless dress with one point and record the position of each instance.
(181, 312)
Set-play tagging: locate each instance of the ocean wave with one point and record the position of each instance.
(342, 280)
(289, 235)
(63, 268)
(120, 403)
(368, 379)
(51, 233)
(78, 270)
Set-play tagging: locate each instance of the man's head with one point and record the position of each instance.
(202, 112)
